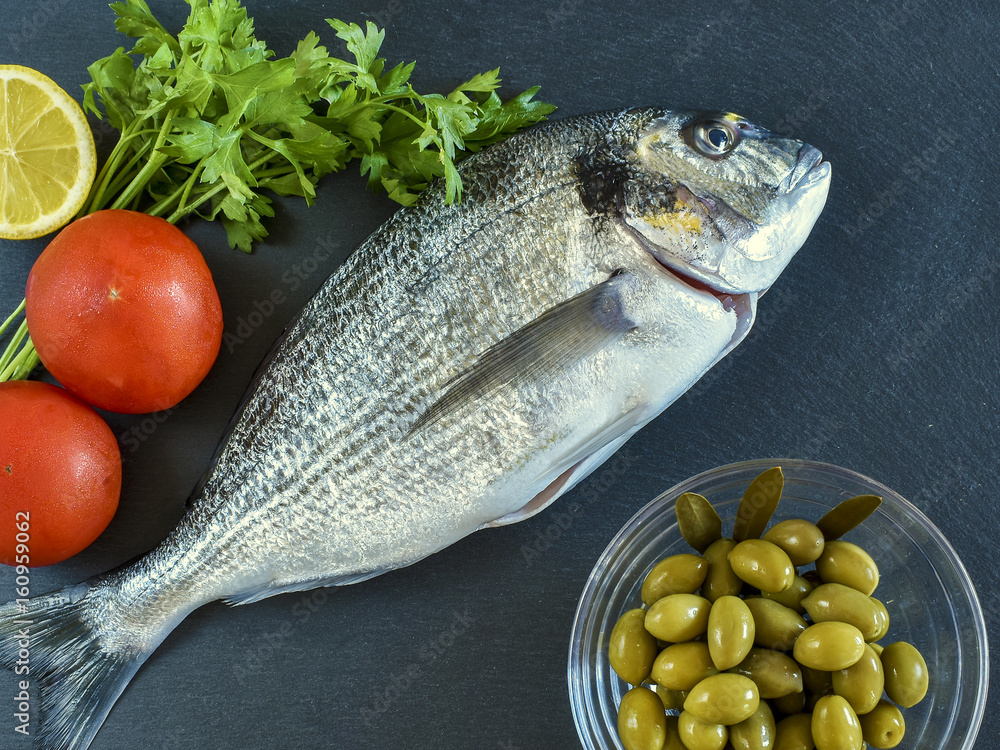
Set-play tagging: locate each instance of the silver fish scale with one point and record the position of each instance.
(318, 477)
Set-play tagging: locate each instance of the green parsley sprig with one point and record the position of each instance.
(210, 119)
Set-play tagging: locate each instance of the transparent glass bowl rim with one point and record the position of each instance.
(589, 599)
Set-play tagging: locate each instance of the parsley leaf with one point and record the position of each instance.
(210, 118)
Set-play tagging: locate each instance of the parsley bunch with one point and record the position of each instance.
(210, 118)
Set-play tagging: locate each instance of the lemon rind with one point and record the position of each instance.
(77, 194)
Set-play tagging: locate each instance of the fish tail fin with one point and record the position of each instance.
(51, 641)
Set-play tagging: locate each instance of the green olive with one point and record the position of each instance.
(775, 625)
(678, 617)
(835, 726)
(677, 574)
(722, 627)
(846, 563)
(696, 734)
(642, 722)
(829, 646)
(730, 631)
(883, 619)
(883, 727)
(723, 699)
(837, 602)
(793, 596)
(763, 565)
(720, 579)
(794, 733)
(775, 674)
(631, 649)
(681, 666)
(792, 703)
(802, 541)
(861, 683)
(756, 732)
(906, 676)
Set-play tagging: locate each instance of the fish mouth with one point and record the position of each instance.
(809, 170)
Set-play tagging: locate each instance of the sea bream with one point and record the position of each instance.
(464, 368)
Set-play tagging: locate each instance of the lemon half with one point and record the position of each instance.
(47, 156)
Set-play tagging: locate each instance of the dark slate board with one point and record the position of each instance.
(876, 350)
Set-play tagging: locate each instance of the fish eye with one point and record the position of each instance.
(713, 138)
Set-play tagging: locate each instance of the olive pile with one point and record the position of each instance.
(751, 649)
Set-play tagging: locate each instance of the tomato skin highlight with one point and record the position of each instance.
(59, 464)
(123, 311)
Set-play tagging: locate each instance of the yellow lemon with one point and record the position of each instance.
(47, 156)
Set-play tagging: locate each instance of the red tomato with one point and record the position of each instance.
(123, 311)
(60, 474)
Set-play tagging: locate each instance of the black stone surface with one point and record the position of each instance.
(876, 350)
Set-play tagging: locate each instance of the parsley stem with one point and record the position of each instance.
(183, 211)
(411, 95)
(8, 361)
(402, 111)
(21, 365)
(180, 196)
(156, 160)
(191, 181)
(176, 197)
(126, 172)
(110, 168)
(6, 323)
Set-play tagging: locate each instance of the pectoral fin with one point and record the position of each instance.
(549, 344)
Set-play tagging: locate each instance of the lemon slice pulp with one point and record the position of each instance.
(47, 156)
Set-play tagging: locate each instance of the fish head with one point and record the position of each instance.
(722, 201)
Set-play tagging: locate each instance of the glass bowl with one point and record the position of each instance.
(931, 601)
